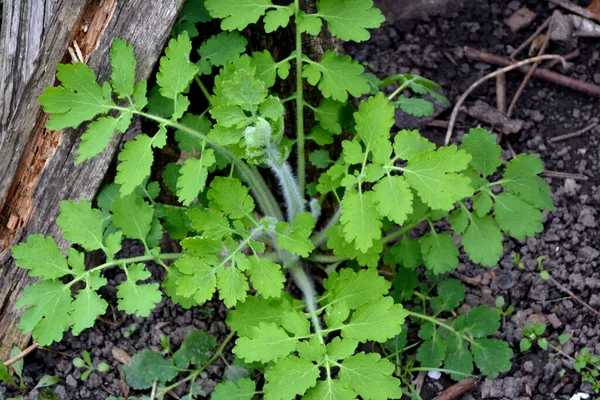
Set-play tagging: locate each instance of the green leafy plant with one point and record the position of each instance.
(241, 240)
(584, 363)
(85, 362)
(131, 329)
(9, 375)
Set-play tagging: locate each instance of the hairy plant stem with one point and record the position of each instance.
(291, 191)
(299, 102)
(249, 173)
(306, 286)
(321, 237)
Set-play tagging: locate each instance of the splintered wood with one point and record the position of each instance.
(19, 206)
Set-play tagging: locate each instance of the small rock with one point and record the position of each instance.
(554, 321)
(571, 187)
(594, 300)
(528, 366)
(520, 19)
(491, 388)
(93, 381)
(586, 217)
(588, 253)
(71, 382)
(512, 387)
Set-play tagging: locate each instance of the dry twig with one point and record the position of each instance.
(22, 354)
(574, 134)
(462, 98)
(542, 50)
(574, 296)
(551, 64)
(457, 390)
(565, 175)
(531, 38)
(574, 8)
(574, 84)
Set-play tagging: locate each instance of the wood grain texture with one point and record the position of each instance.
(26, 145)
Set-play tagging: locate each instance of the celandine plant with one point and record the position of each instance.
(239, 242)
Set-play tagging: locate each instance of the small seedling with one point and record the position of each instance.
(516, 259)
(130, 331)
(545, 275)
(500, 303)
(533, 334)
(86, 363)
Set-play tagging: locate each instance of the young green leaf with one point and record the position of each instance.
(98, 134)
(193, 175)
(88, 305)
(433, 175)
(199, 281)
(482, 321)
(377, 320)
(231, 197)
(279, 18)
(408, 144)
(78, 99)
(42, 257)
(296, 239)
(136, 160)
(350, 19)
(266, 276)
(440, 254)
(133, 216)
(415, 106)
(432, 351)
(48, 317)
(238, 14)
(122, 78)
(484, 151)
(223, 48)
(356, 288)
(196, 349)
(81, 224)
(451, 293)
(360, 219)
(176, 71)
(290, 377)
(492, 356)
(264, 342)
(394, 198)
(516, 217)
(482, 241)
(337, 76)
(521, 177)
(147, 367)
(370, 377)
(134, 298)
(243, 389)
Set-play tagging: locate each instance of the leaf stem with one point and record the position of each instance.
(306, 286)
(123, 261)
(203, 89)
(437, 322)
(299, 102)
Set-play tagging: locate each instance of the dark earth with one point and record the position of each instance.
(432, 47)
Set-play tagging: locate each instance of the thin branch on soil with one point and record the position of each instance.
(550, 76)
(564, 175)
(533, 68)
(574, 296)
(513, 153)
(569, 56)
(531, 38)
(574, 134)
(114, 324)
(22, 354)
(464, 96)
(501, 93)
(457, 390)
(438, 123)
(574, 8)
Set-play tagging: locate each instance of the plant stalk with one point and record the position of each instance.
(299, 103)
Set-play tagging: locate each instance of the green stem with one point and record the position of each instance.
(395, 235)
(435, 321)
(397, 91)
(197, 372)
(249, 173)
(299, 102)
(326, 259)
(123, 261)
(203, 89)
(306, 286)
(321, 237)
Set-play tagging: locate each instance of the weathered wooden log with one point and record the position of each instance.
(37, 165)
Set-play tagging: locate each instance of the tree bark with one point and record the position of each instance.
(37, 164)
